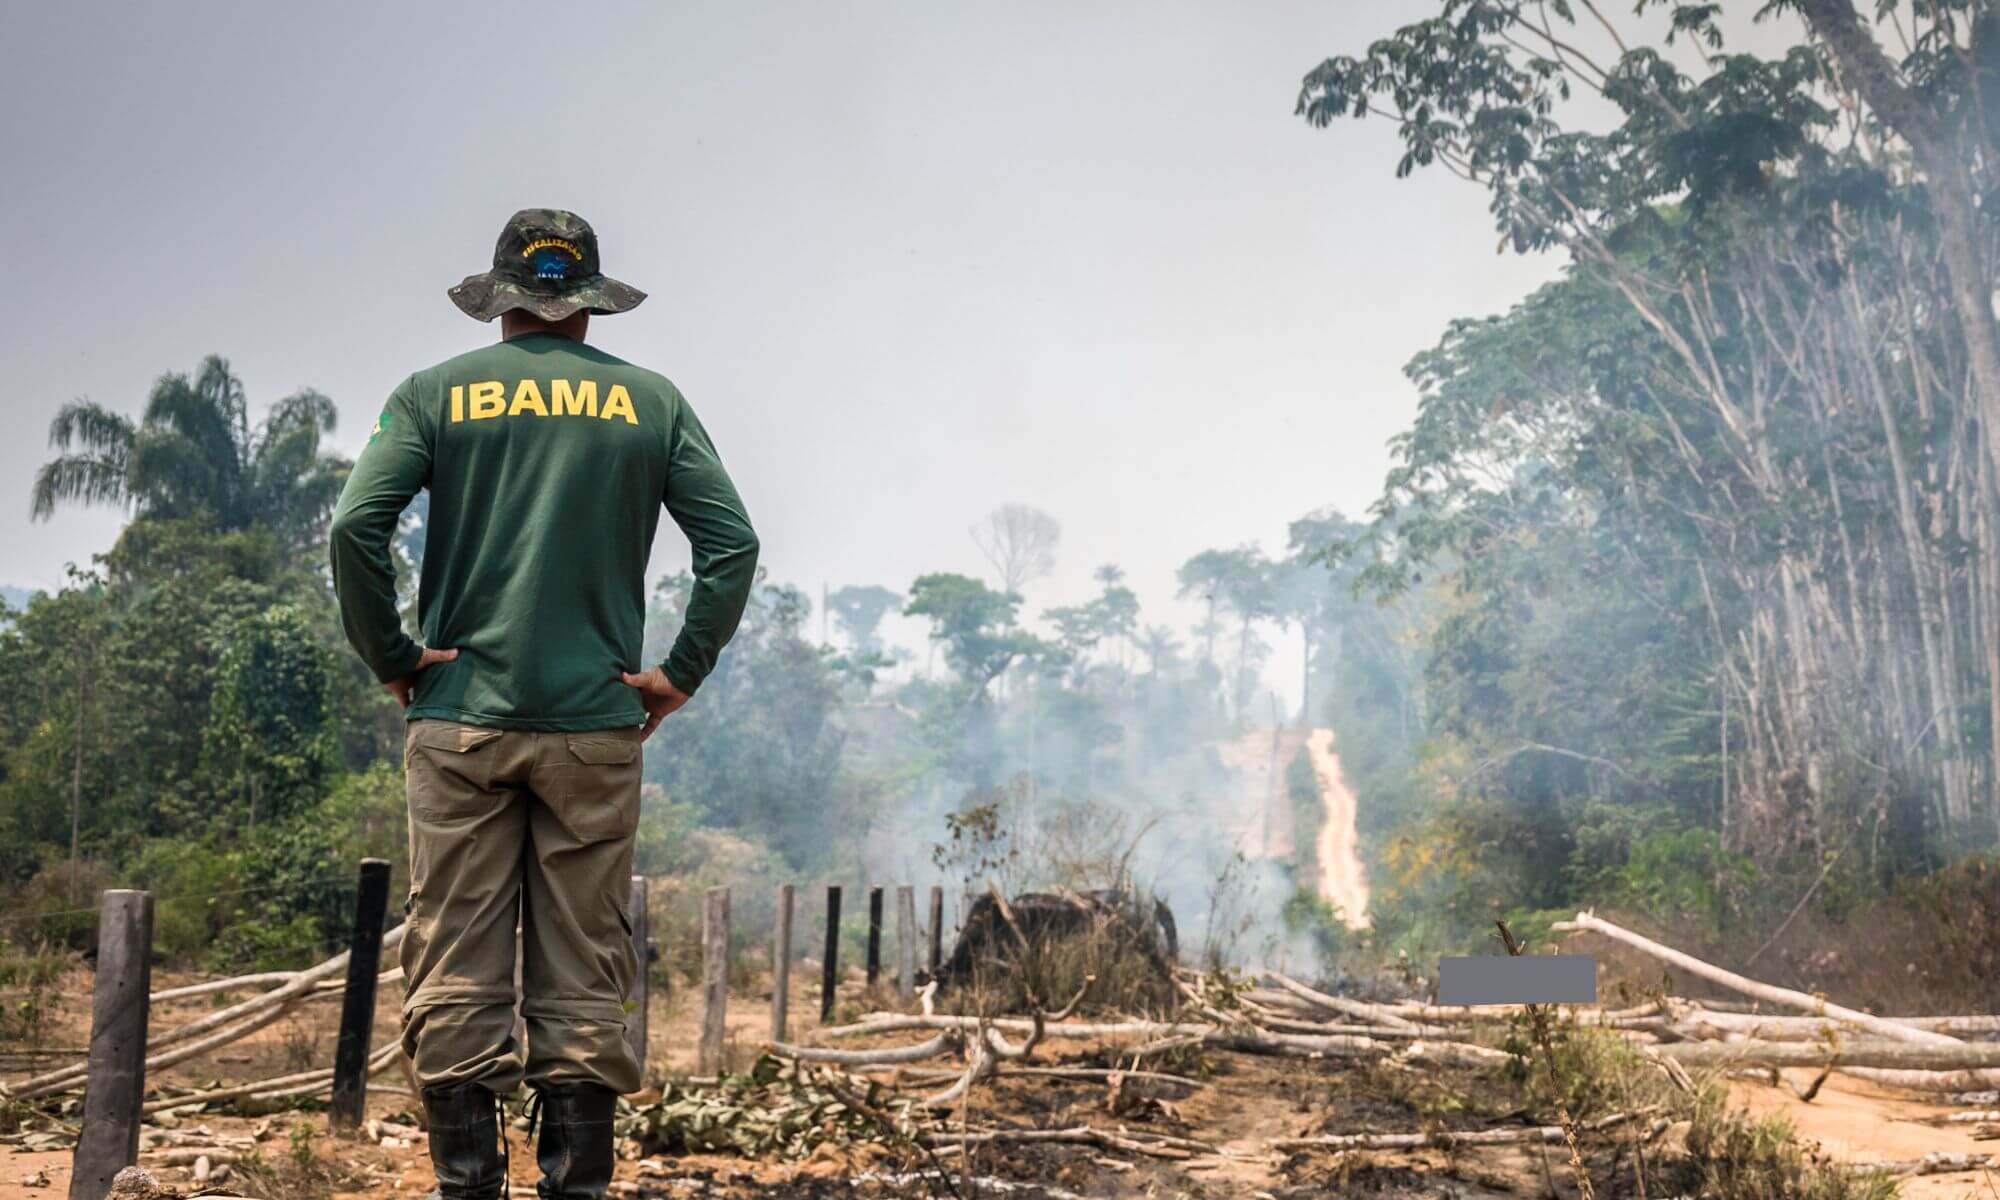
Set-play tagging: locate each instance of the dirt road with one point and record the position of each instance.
(1343, 881)
(1260, 819)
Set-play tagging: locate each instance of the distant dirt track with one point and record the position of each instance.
(1259, 820)
(1342, 880)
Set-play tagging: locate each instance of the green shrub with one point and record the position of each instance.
(57, 906)
(192, 885)
(1686, 872)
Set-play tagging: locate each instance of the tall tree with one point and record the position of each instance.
(1939, 100)
(860, 611)
(1237, 582)
(272, 726)
(1020, 541)
(1753, 407)
(1201, 577)
(1117, 609)
(974, 623)
(194, 453)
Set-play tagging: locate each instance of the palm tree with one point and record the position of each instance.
(194, 453)
(1239, 582)
(1159, 645)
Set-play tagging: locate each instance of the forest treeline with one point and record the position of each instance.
(185, 716)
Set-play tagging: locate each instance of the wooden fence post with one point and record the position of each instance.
(635, 1019)
(829, 967)
(906, 941)
(714, 979)
(937, 929)
(116, 1084)
(874, 937)
(781, 964)
(357, 1004)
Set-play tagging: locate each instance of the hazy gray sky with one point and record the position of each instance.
(908, 260)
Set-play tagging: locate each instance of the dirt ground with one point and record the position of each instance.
(1856, 1121)
(1245, 1103)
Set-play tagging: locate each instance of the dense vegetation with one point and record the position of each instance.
(1701, 537)
(185, 716)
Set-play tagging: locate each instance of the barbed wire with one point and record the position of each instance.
(255, 889)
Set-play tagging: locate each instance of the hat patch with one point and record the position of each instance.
(552, 258)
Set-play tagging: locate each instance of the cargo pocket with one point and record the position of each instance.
(450, 770)
(600, 789)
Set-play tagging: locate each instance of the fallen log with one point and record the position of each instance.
(1131, 1141)
(227, 1024)
(168, 1058)
(1782, 1027)
(1281, 1000)
(236, 1092)
(72, 1078)
(280, 1086)
(1459, 1014)
(1927, 1081)
(903, 1022)
(1954, 1056)
(377, 1061)
(1936, 1163)
(264, 979)
(1325, 1028)
(1440, 1138)
(1374, 1014)
(1770, 993)
(979, 1065)
(1165, 1045)
(1452, 1054)
(278, 998)
(1101, 1073)
(917, 1076)
(943, 1043)
(1249, 1039)
(1968, 1023)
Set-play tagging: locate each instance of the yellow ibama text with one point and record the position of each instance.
(488, 399)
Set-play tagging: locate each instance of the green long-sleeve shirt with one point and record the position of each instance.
(548, 462)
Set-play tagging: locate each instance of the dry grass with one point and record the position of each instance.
(295, 1172)
(1723, 1152)
(1109, 962)
(1733, 1156)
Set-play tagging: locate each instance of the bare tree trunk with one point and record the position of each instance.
(1305, 673)
(1989, 557)
(1931, 610)
(1875, 78)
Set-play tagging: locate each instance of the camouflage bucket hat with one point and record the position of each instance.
(546, 264)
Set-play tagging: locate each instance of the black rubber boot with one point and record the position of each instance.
(465, 1142)
(575, 1150)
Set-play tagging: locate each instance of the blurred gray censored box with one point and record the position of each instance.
(1529, 979)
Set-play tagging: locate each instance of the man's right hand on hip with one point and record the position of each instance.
(657, 693)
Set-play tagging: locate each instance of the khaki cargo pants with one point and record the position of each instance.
(507, 825)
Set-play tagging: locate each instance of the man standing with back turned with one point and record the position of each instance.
(548, 463)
